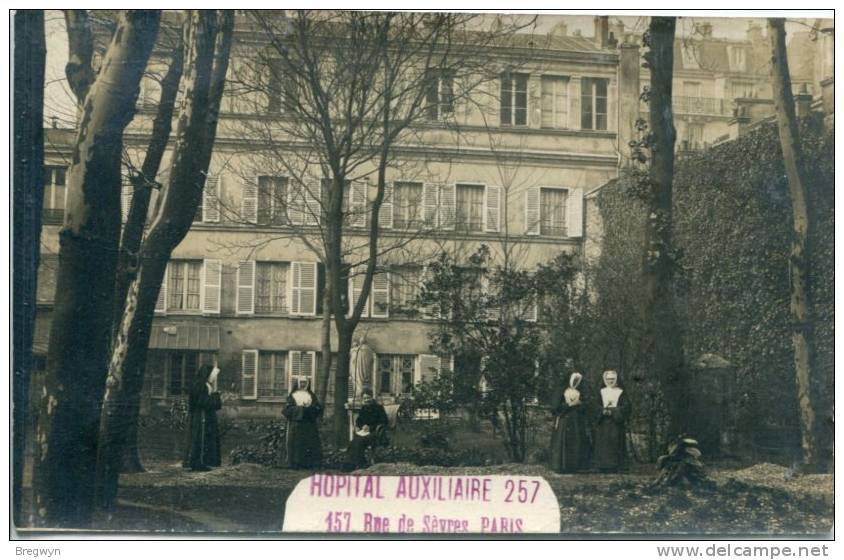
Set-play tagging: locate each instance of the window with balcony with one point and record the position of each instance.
(55, 194)
(407, 204)
(183, 285)
(272, 199)
(514, 99)
(439, 96)
(593, 104)
(555, 102)
(470, 207)
(691, 89)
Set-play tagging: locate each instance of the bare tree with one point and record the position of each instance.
(207, 43)
(800, 261)
(77, 358)
(663, 339)
(30, 57)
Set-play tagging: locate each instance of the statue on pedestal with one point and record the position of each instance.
(361, 362)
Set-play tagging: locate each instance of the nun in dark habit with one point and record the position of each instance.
(304, 448)
(570, 439)
(610, 452)
(203, 446)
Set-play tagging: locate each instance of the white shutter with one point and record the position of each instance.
(126, 193)
(249, 374)
(212, 270)
(303, 278)
(428, 311)
(574, 214)
(385, 215)
(309, 366)
(355, 289)
(381, 295)
(302, 369)
(448, 205)
(430, 196)
(161, 302)
(313, 207)
(249, 202)
(210, 199)
(427, 368)
(295, 203)
(532, 211)
(492, 206)
(357, 204)
(245, 288)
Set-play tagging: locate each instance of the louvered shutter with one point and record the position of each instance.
(302, 369)
(303, 276)
(532, 211)
(427, 368)
(212, 272)
(249, 374)
(381, 295)
(448, 206)
(313, 207)
(430, 196)
(245, 288)
(574, 213)
(493, 311)
(161, 302)
(309, 366)
(357, 204)
(385, 215)
(296, 203)
(249, 201)
(210, 199)
(492, 206)
(355, 289)
(428, 310)
(126, 193)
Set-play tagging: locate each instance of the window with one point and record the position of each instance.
(55, 194)
(694, 135)
(48, 269)
(514, 99)
(272, 197)
(593, 104)
(742, 89)
(407, 201)
(183, 285)
(395, 374)
(555, 102)
(281, 89)
(470, 207)
(209, 208)
(738, 58)
(169, 373)
(439, 97)
(272, 375)
(404, 290)
(691, 55)
(691, 89)
(378, 303)
(552, 211)
(271, 287)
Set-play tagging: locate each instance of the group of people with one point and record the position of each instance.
(587, 437)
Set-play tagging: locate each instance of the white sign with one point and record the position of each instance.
(342, 503)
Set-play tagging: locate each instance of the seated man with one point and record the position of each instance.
(370, 430)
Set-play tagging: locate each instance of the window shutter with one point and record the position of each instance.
(428, 311)
(303, 288)
(249, 374)
(532, 211)
(355, 289)
(302, 368)
(574, 216)
(312, 197)
(493, 311)
(295, 203)
(126, 193)
(245, 288)
(161, 302)
(427, 368)
(381, 295)
(210, 294)
(430, 194)
(492, 204)
(153, 201)
(385, 215)
(448, 205)
(309, 366)
(210, 199)
(357, 204)
(249, 202)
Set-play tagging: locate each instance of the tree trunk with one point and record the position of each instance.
(663, 337)
(180, 198)
(81, 325)
(30, 57)
(799, 262)
(340, 421)
(325, 365)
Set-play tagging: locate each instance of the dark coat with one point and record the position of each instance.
(570, 441)
(203, 435)
(304, 448)
(610, 432)
(373, 415)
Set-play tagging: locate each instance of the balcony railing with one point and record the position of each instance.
(702, 106)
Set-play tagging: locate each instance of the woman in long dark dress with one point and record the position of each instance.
(570, 439)
(304, 448)
(610, 450)
(203, 445)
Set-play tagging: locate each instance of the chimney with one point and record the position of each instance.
(602, 30)
(617, 29)
(559, 30)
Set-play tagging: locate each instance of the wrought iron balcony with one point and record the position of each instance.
(702, 106)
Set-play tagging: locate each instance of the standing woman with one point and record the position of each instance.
(610, 452)
(570, 439)
(304, 448)
(203, 446)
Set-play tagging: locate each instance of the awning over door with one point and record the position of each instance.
(185, 337)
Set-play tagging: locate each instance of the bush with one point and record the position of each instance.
(270, 451)
(681, 465)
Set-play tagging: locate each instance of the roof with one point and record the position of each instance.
(186, 336)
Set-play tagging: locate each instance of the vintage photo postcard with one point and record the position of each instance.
(420, 274)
